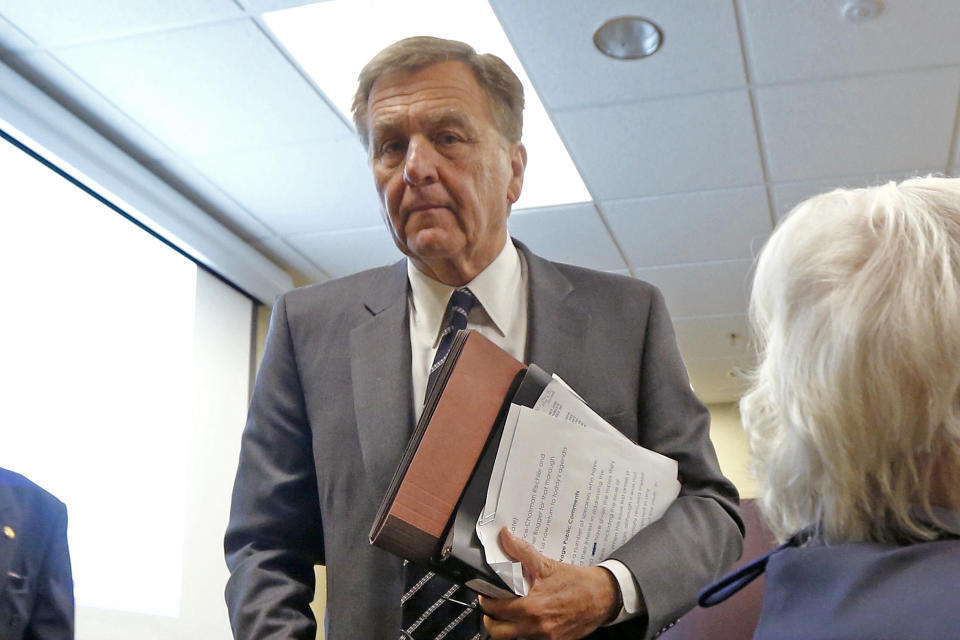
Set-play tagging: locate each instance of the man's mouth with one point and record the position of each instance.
(425, 207)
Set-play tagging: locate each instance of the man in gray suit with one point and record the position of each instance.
(346, 365)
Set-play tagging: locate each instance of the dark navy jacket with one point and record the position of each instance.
(854, 590)
(36, 583)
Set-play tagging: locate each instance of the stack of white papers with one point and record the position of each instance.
(570, 484)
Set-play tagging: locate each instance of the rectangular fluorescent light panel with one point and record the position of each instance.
(332, 41)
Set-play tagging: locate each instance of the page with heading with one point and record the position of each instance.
(561, 401)
(575, 495)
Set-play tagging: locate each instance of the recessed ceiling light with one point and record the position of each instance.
(628, 38)
(861, 10)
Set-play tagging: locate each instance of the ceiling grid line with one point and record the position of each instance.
(752, 85)
(757, 124)
(146, 33)
(955, 138)
(20, 32)
(282, 50)
(668, 194)
(613, 236)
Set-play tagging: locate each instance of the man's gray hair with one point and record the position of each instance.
(853, 415)
(500, 84)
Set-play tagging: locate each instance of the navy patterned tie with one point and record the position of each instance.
(434, 607)
(458, 310)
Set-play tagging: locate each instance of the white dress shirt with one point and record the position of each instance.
(500, 315)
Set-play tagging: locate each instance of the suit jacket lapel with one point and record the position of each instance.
(380, 372)
(556, 329)
(381, 361)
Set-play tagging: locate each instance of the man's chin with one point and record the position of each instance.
(433, 245)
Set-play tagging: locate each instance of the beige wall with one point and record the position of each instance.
(731, 445)
(260, 338)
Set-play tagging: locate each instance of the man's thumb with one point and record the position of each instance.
(534, 563)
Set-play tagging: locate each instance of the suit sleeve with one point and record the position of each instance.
(52, 615)
(701, 533)
(274, 536)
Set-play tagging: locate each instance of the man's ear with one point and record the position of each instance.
(518, 163)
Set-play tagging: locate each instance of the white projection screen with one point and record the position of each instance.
(123, 389)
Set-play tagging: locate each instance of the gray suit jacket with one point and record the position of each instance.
(36, 584)
(332, 410)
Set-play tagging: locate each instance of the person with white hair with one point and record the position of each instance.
(853, 415)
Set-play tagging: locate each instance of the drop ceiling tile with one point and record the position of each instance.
(716, 380)
(789, 194)
(262, 6)
(317, 187)
(673, 145)
(12, 39)
(690, 227)
(187, 180)
(65, 22)
(788, 40)
(713, 337)
(554, 40)
(707, 289)
(573, 234)
(341, 253)
(60, 83)
(277, 250)
(211, 89)
(859, 126)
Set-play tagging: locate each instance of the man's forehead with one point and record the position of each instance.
(447, 86)
(447, 73)
(430, 115)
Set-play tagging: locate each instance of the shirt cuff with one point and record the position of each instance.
(629, 590)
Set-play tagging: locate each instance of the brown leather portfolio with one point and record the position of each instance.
(460, 411)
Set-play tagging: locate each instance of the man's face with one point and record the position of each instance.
(445, 175)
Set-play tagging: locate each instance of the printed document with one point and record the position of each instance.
(570, 484)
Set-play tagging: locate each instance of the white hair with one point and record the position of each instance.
(853, 414)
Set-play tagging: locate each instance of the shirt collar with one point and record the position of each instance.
(494, 287)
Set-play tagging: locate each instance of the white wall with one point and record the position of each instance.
(221, 375)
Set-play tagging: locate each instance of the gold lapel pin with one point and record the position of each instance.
(9, 532)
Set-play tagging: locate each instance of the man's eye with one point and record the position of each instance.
(448, 138)
(392, 147)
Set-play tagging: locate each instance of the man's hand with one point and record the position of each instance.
(565, 601)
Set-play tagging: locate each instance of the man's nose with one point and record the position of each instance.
(420, 163)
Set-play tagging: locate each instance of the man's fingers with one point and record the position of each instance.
(499, 628)
(564, 602)
(502, 616)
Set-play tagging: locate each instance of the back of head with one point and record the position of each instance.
(853, 415)
(503, 89)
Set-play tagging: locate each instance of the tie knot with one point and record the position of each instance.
(458, 310)
(461, 301)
